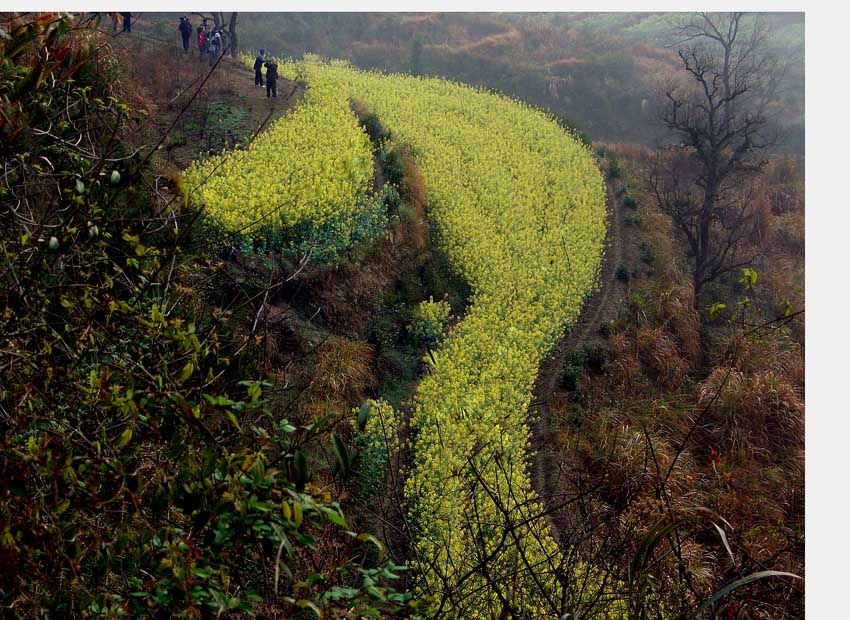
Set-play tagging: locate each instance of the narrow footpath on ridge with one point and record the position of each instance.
(603, 305)
(228, 109)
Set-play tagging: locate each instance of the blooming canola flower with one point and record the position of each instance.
(519, 207)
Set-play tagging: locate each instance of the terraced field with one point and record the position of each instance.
(519, 206)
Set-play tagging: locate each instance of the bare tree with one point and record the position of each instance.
(720, 141)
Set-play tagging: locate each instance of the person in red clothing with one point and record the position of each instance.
(202, 42)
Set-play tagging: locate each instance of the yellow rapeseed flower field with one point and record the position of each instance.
(312, 165)
(520, 207)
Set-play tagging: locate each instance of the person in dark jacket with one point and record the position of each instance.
(271, 78)
(258, 68)
(128, 21)
(185, 29)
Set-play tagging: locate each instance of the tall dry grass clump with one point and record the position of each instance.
(757, 414)
(659, 353)
(343, 369)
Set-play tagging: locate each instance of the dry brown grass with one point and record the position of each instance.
(673, 308)
(658, 352)
(343, 369)
(745, 459)
(626, 367)
(756, 415)
(414, 183)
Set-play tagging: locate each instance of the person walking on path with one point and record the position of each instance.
(128, 23)
(258, 68)
(214, 46)
(185, 29)
(271, 78)
(202, 42)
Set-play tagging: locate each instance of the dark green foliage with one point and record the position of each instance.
(632, 220)
(598, 357)
(143, 475)
(629, 202)
(593, 357)
(647, 253)
(605, 329)
(392, 166)
(443, 282)
(343, 456)
(574, 129)
(377, 133)
(570, 377)
(622, 273)
(325, 244)
(614, 170)
(575, 416)
(223, 125)
(391, 199)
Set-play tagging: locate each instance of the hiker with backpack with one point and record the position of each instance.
(271, 78)
(258, 68)
(185, 29)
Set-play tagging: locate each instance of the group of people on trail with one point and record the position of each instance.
(210, 42)
(210, 45)
(271, 73)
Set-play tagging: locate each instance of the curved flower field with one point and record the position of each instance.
(519, 205)
(313, 165)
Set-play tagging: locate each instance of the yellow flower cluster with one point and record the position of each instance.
(312, 165)
(429, 320)
(520, 207)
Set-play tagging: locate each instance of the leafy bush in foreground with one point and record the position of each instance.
(141, 477)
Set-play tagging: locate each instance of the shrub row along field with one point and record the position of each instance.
(519, 206)
(312, 167)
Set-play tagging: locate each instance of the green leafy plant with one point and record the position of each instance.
(143, 474)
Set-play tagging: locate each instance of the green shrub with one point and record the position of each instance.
(622, 273)
(647, 253)
(375, 443)
(377, 133)
(576, 357)
(391, 165)
(598, 358)
(629, 202)
(614, 170)
(143, 474)
(391, 199)
(632, 220)
(570, 377)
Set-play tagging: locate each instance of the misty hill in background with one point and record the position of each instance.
(598, 70)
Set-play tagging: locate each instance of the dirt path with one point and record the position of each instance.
(547, 476)
(213, 108)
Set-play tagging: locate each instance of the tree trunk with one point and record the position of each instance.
(232, 30)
